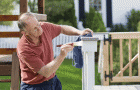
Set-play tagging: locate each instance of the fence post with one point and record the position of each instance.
(89, 47)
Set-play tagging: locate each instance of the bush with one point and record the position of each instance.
(93, 20)
(118, 28)
(61, 11)
(6, 8)
(138, 28)
(133, 17)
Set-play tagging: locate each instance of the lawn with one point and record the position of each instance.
(70, 77)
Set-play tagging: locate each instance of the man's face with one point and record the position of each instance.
(33, 27)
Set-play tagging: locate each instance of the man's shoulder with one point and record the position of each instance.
(23, 46)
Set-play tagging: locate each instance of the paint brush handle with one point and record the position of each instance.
(62, 44)
(74, 44)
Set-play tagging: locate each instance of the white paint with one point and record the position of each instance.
(103, 11)
(120, 9)
(88, 70)
(86, 3)
(76, 2)
(80, 23)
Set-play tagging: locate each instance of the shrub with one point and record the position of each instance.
(93, 20)
(138, 28)
(118, 28)
(133, 17)
(61, 11)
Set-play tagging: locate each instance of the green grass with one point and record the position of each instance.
(69, 76)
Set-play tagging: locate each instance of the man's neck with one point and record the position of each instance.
(35, 40)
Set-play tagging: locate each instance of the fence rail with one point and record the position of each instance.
(61, 39)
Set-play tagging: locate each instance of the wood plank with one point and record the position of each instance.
(106, 63)
(130, 57)
(15, 72)
(23, 6)
(5, 70)
(121, 57)
(111, 57)
(9, 34)
(8, 17)
(41, 17)
(7, 50)
(5, 80)
(135, 57)
(126, 79)
(5, 63)
(41, 6)
(126, 35)
(139, 57)
(5, 58)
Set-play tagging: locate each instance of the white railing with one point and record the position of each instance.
(89, 47)
(62, 39)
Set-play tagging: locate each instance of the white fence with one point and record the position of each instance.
(62, 39)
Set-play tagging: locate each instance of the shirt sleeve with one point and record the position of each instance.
(53, 29)
(32, 61)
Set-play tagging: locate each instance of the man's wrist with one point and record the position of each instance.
(79, 32)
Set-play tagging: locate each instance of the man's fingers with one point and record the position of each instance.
(89, 30)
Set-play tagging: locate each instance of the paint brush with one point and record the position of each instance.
(79, 43)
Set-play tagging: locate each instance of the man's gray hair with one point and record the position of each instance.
(21, 22)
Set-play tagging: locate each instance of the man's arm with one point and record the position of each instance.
(69, 30)
(51, 67)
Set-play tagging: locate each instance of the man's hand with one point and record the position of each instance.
(86, 31)
(66, 48)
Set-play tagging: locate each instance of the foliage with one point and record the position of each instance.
(6, 8)
(116, 58)
(133, 17)
(32, 6)
(138, 28)
(93, 20)
(118, 28)
(58, 11)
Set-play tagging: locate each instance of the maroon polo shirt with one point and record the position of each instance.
(32, 58)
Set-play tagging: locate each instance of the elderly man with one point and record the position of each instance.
(35, 52)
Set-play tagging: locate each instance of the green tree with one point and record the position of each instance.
(133, 17)
(61, 12)
(58, 11)
(6, 8)
(93, 20)
(33, 5)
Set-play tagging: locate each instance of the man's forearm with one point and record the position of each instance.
(51, 67)
(69, 30)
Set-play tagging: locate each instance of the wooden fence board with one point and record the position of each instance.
(7, 50)
(8, 17)
(126, 35)
(9, 34)
(126, 79)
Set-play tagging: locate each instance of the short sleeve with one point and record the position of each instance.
(32, 61)
(53, 29)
